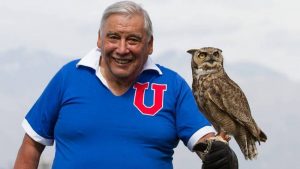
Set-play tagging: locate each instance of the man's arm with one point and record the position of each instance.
(29, 154)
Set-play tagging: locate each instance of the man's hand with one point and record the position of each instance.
(216, 154)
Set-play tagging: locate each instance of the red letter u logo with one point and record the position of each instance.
(158, 97)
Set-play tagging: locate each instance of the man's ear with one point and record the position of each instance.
(99, 40)
(150, 46)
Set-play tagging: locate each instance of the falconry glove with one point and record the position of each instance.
(216, 154)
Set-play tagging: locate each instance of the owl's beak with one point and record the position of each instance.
(211, 59)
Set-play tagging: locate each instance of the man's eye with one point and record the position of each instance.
(133, 41)
(113, 37)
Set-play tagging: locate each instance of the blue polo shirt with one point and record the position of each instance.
(95, 129)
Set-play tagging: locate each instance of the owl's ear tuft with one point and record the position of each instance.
(219, 50)
(191, 51)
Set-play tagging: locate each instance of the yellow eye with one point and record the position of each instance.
(216, 54)
(202, 55)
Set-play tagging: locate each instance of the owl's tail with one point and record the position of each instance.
(247, 145)
(251, 152)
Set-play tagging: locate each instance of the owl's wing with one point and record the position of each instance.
(229, 97)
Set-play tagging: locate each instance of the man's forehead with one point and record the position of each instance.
(122, 24)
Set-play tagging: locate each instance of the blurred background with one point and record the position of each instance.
(259, 40)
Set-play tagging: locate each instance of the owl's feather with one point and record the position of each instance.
(222, 101)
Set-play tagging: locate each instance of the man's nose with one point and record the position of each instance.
(122, 47)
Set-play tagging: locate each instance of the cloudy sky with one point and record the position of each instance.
(259, 40)
(265, 32)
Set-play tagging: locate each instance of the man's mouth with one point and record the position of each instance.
(122, 61)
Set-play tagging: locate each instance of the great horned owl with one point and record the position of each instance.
(222, 101)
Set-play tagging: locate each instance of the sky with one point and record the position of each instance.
(264, 32)
(259, 40)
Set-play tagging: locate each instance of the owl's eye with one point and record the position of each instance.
(216, 54)
(202, 55)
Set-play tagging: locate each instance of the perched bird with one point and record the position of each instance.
(223, 102)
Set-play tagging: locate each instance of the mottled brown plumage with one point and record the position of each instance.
(222, 101)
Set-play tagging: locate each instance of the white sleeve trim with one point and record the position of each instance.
(198, 134)
(36, 137)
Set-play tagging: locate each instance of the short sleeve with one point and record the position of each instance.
(190, 122)
(40, 120)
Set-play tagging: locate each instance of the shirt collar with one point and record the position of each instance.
(92, 60)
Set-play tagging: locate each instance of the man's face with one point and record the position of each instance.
(124, 47)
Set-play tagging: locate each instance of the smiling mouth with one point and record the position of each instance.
(122, 61)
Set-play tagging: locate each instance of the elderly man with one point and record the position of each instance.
(115, 108)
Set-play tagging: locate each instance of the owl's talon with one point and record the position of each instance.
(227, 138)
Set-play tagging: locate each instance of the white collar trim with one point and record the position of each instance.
(92, 60)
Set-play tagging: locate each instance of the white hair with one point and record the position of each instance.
(128, 8)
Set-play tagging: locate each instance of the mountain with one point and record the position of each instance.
(273, 99)
(23, 75)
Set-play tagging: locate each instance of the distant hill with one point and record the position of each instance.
(272, 96)
(23, 76)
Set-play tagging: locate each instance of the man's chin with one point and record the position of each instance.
(122, 74)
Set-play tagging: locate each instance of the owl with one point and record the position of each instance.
(223, 102)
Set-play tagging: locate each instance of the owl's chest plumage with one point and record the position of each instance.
(203, 81)
(203, 87)
(201, 84)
